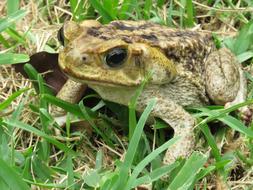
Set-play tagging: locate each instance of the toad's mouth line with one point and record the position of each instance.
(102, 82)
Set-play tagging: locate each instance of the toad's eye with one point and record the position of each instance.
(116, 57)
(60, 36)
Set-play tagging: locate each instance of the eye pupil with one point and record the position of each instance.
(116, 57)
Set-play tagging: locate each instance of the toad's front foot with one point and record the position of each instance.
(182, 148)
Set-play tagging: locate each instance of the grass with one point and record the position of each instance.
(104, 155)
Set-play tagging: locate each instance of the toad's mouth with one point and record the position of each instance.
(101, 82)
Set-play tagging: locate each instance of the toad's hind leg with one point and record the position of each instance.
(225, 83)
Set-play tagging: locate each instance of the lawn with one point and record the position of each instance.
(111, 147)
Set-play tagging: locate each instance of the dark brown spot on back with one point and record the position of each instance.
(146, 25)
(122, 26)
(126, 39)
(93, 32)
(104, 37)
(151, 37)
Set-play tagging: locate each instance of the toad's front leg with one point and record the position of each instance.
(71, 92)
(177, 118)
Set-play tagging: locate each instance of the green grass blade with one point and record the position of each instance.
(111, 6)
(132, 107)
(70, 172)
(13, 58)
(77, 9)
(215, 114)
(4, 42)
(127, 8)
(147, 160)
(160, 3)
(204, 172)
(236, 125)
(147, 9)
(227, 119)
(11, 19)
(245, 56)
(33, 75)
(74, 109)
(102, 11)
(189, 21)
(11, 178)
(126, 165)
(87, 117)
(155, 175)
(12, 97)
(12, 6)
(15, 35)
(99, 160)
(186, 175)
(47, 185)
(169, 14)
(209, 137)
(26, 127)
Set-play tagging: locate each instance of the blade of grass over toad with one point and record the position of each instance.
(11, 19)
(215, 114)
(11, 178)
(13, 58)
(236, 125)
(127, 8)
(229, 120)
(103, 12)
(137, 170)
(133, 144)
(12, 97)
(26, 127)
(132, 106)
(186, 175)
